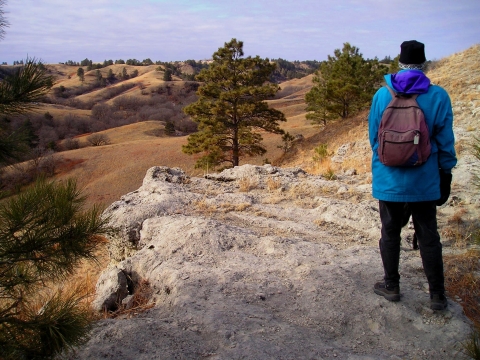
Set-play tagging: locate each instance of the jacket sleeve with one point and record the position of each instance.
(380, 101)
(443, 133)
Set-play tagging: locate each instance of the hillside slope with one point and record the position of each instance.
(265, 262)
(107, 172)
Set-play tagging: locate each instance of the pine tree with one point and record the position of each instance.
(81, 74)
(110, 75)
(167, 75)
(21, 91)
(231, 108)
(343, 85)
(124, 75)
(43, 237)
(169, 128)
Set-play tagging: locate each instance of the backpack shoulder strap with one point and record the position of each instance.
(391, 91)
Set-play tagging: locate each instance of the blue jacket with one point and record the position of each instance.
(422, 183)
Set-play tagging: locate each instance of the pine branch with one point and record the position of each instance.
(20, 92)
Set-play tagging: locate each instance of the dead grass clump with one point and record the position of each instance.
(137, 303)
(204, 206)
(235, 207)
(273, 199)
(462, 281)
(462, 232)
(457, 217)
(247, 183)
(273, 184)
(301, 190)
(320, 167)
(306, 203)
(460, 147)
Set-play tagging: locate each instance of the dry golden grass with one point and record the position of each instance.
(108, 172)
(320, 167)
(247, 183)
(139, 303)
(459, 74)
(204, 207)
(273, 183)
(461, 281)
(460, 229)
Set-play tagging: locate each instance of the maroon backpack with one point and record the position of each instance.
(403, 137)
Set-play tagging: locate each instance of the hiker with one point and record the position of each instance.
(423, 182)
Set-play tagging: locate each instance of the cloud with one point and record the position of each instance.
(60, 30)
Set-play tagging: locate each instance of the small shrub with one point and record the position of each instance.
(71, 144)
(321, 153)
(169, 128)
(98, 139)
(329, 174)
(288, 143)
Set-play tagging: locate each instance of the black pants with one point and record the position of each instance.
(424, 216)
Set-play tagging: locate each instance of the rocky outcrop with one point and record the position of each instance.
(261, 262)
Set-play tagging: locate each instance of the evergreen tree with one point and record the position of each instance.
(169, 128)
(43, 237)
(85, 62)
(28, 132)
(81, 74)
(21, 91)
(344, 85)
(394, 68)
(124, 74)
(167, 75)
(231, 108)
(98, 76)
(110, 75)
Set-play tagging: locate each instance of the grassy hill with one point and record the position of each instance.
(133, 113)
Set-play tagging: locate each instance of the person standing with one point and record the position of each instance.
(422, 187)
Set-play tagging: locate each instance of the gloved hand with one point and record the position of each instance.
(445, 184)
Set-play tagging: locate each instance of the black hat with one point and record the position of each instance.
(412, 52)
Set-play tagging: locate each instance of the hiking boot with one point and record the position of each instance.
(438, 302)
(389, 293)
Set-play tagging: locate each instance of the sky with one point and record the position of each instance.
(55, 31)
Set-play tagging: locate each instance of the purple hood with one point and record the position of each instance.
(409, 82)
